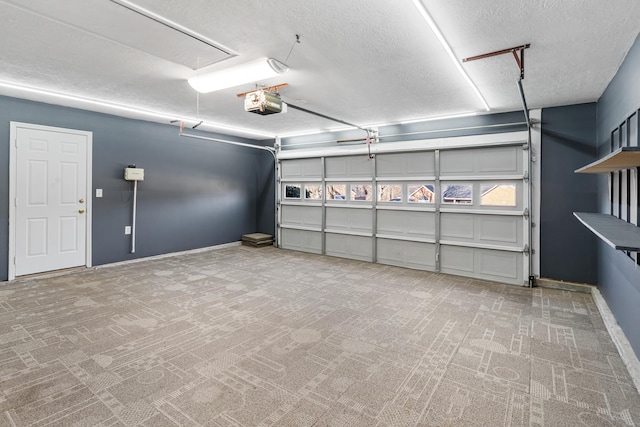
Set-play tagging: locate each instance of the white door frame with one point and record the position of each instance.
(13, 135)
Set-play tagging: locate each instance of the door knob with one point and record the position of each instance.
(81, 211)
(81, 200)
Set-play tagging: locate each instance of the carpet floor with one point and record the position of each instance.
(268, 337)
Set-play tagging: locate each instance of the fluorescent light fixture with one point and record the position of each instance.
(430, 119)
(248, 72)
(47, 94)
(434, 27)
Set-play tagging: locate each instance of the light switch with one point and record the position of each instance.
(127, 229)
(98, 192)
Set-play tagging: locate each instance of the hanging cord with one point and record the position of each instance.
(197, 111)
(292, 47)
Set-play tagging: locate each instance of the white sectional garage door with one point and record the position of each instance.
(459, 206)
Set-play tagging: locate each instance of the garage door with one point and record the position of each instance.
(458, 208)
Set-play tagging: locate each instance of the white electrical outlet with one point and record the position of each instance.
(127, 229)
(98, 192)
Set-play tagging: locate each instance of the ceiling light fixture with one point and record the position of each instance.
(43, 95)
(434, 27)
(222, 78)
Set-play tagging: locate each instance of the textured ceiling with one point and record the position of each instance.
(362, 61)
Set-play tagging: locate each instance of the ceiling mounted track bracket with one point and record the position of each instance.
(271, 89)
(518, 55)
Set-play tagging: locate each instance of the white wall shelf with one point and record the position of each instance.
(622, 158)
(618, 234)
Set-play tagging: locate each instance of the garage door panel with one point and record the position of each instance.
(407, 223)
(503, 230)
(500, 229)
(308, 216)
(456, 260)
(482, 161)
(301, 240)
(360, 220)
(500, 265)
(487, 264)
(301, 168)
(417, 164)
(348, 167)
(352, 247)
(457, 227)
(400, 253)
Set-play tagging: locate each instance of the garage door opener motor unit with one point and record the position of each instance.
(263, 102)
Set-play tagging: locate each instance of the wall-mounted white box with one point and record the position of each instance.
(134, 174)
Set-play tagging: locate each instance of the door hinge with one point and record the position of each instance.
(526, 250)
(526, 213)
(526, 176)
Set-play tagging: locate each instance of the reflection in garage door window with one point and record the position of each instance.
(421, 193)
(337, 192)
(292, 191)
(313, 192)
(457, 194)
(361, 192)
(498, 194)
(389, 193)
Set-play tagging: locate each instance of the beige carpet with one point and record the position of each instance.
(267, 337)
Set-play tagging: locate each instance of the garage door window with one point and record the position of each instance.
(421, 193)
(337, 192)
(390, 193)
(457, 194)
(313, 192)
(292, 191)
(361, 192)
(498, 194)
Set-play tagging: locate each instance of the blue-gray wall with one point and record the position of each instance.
(567, 248)
(618, 277)
(196, 193)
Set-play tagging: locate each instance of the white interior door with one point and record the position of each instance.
(51, 199)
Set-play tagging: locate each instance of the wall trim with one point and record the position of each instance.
(168, 255)
(618, 337)
(121, 263)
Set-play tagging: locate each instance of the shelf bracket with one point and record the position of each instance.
(517, 51)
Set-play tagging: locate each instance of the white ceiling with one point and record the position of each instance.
(362, 61)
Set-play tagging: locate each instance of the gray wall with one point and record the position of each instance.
(618, 277)
(195, 194)
(568, 143)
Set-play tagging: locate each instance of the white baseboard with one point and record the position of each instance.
(119, 263)
(619, 338)
(169, 255)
